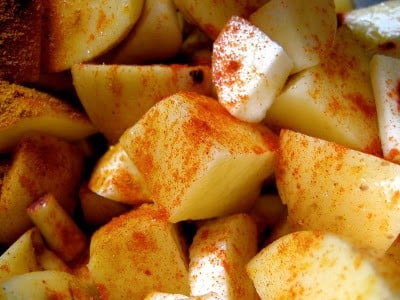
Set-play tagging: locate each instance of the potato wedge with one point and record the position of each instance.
(41, 164)
(332, 188)
(137, 253)
(115, 97)
(78, 31)
(211, 164)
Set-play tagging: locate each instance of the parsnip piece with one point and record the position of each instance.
(24, 110)
(137, 253)
(116, 177)
(78, 31)
(211, 16)
(41, 164)
(385, 78)
(249, 69)
(332, 188)
(219, 253)
(307, 33)
(116, 97)
(335, 99)
(57, 227)
(98, 210)
(157, 35)
(49, 285)
(315, 265)
(211, 164)
(19, 258)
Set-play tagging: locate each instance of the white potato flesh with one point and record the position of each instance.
(116, 96)
(332, 188)
(211, 16)
(116, 177)
(385, 78)
(157, 35)
(49, 285)
(333, 100)
(307, 33)
(77, 31)
(219, 253)
(248, 69)
(166, 296)
(200, 162)
(315, 265)
(137, 253)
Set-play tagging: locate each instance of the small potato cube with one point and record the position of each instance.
(200, 162)
(249, 69)
(315, 265)
(137, 253)
(220, 250)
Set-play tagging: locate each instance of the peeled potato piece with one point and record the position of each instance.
(315, 265)
(329, 187)
(116, 96)
(200, 162)
(24, 110)
(78, 30)
(49, 285)
(137, 253)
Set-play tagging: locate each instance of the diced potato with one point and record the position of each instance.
(249, 69)
(25, 110)
(48, 285)
(116, 96)
(315, 265)
(156, 36)
(335, 99)
(41, 164)
(307, 33)
(211, 164)
(137, 253)
(385, 78)
(219, 253)
(78, 31)
(211, 16)
(332, 188)
(116, 177)
(57, 227)
(98, 210)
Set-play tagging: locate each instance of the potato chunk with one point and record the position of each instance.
(315, 265)
(199, 161)
(220, 250)
(137, 253)
(330, 187)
